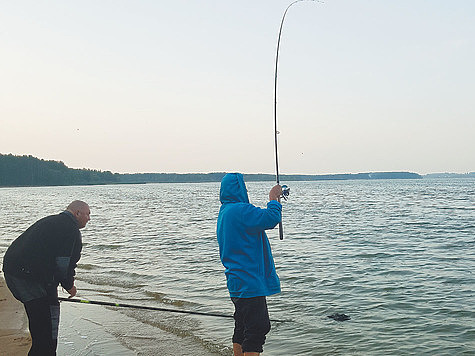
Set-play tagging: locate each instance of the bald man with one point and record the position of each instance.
(37, 262)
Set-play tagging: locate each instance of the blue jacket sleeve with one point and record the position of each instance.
(256, 219)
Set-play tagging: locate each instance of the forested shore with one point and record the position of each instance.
(31, 171)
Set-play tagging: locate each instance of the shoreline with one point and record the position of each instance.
(76, 331)
(91, 330)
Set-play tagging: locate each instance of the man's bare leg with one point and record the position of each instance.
(237, 349)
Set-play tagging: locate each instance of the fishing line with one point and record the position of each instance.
(122, 305)
(285, 189)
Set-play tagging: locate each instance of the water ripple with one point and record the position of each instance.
(397, 256)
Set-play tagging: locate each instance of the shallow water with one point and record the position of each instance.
(395, 255)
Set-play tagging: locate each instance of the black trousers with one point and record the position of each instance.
(251, 323)
(43, 321)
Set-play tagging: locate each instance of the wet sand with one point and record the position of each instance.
(78, 334)
(91, 330)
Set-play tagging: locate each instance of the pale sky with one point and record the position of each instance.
(187, 85)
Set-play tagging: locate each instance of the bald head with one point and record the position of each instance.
(80, 211)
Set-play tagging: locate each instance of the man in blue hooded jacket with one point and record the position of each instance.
(246, 255)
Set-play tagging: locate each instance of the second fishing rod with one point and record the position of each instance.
(145, 307)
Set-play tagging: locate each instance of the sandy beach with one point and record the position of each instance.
(14, 335)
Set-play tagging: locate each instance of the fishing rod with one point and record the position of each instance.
(285, 189)
(122, 305)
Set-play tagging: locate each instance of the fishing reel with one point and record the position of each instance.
(285, 192)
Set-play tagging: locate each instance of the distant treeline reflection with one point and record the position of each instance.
(31, 171)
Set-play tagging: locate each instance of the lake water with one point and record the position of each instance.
(397, 256)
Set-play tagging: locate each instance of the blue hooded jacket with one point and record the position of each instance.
(243, 244)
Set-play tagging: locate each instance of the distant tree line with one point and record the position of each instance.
(170, 177)
(450, 175)
(31, 171)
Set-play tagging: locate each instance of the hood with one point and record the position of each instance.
(233, 189)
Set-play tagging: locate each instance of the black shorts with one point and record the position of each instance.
(251, 323)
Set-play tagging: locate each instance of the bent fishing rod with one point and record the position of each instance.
(285, 189)
(143, 307)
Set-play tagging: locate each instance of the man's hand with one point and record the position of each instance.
(275, 193)
(72, 292)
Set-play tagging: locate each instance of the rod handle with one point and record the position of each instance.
(281, 231)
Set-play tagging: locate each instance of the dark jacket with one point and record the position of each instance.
(47, 252)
